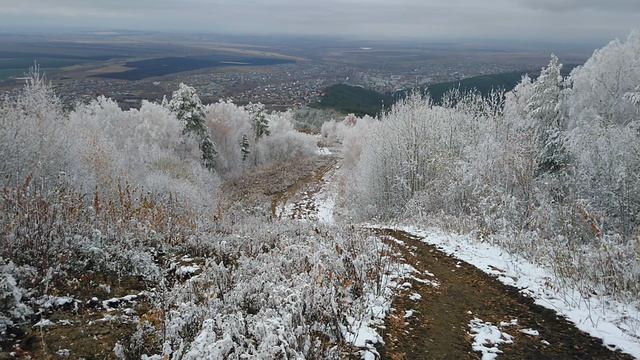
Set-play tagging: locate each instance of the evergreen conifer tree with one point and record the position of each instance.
(188, 108)
(548, 117)
(244, 147)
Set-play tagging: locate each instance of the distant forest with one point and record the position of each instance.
(360, 101)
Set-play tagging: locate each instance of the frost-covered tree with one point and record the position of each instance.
(283, 142)
(260, 123)
(227, 123)
(32, 133)
(233, 129)
(604, 134)
(188, 108)
(634, 97)
(245, 147)
(546, 111)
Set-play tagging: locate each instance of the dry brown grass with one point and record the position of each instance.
(38, 225)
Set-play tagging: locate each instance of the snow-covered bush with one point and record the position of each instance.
(145, 147)
(272, 290)
(350, 132)
(283, 142)
(33, 138)
(250, 136)
(416, 147)
(310, 120)
(12, 308)
(98, 145)
(229, 124)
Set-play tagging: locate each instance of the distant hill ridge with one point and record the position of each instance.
(361, 101)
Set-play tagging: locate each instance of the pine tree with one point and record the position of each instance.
(244, 147)
(188, 108)
(545, 107)
(260, 124)
(209, 153)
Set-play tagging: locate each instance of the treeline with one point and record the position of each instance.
(180, 147)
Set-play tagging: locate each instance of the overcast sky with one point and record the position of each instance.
(550, 20)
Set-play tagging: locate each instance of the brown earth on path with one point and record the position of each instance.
(439, 328)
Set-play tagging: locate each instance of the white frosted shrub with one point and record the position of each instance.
(284, 142)
(227, 124)
(33, 136)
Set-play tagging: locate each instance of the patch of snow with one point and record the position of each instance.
(369, 355)
(115, 302)
(107, 318)
(397, 241)
(362, 332)
(409, 313)
(43, 323)
(487, 337)
(325, 208)
(513, 322)
(323, 151)
(605, 318)
(105, 288)
(415, 297)
(56, 302)
(426, 282)
(63, 353)
(530, 332)
(187, 270)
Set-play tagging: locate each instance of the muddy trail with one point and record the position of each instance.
(299, 200)
(438, 326)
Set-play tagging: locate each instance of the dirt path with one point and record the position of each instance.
(439, 327)
(299, 201)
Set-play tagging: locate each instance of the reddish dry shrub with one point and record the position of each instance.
(42, 227)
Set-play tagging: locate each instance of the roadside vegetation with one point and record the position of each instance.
(549, 170)
(132, 234)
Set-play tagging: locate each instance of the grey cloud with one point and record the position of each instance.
(559, 19)
(577, 5)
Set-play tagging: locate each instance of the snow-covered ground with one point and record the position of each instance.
(325, 203)
(314, 206)
(617, 324)
(363, 333)
(487, 338)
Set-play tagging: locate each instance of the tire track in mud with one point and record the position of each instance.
(439, 325)
(301, 195)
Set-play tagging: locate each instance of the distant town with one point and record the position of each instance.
(298, 81)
